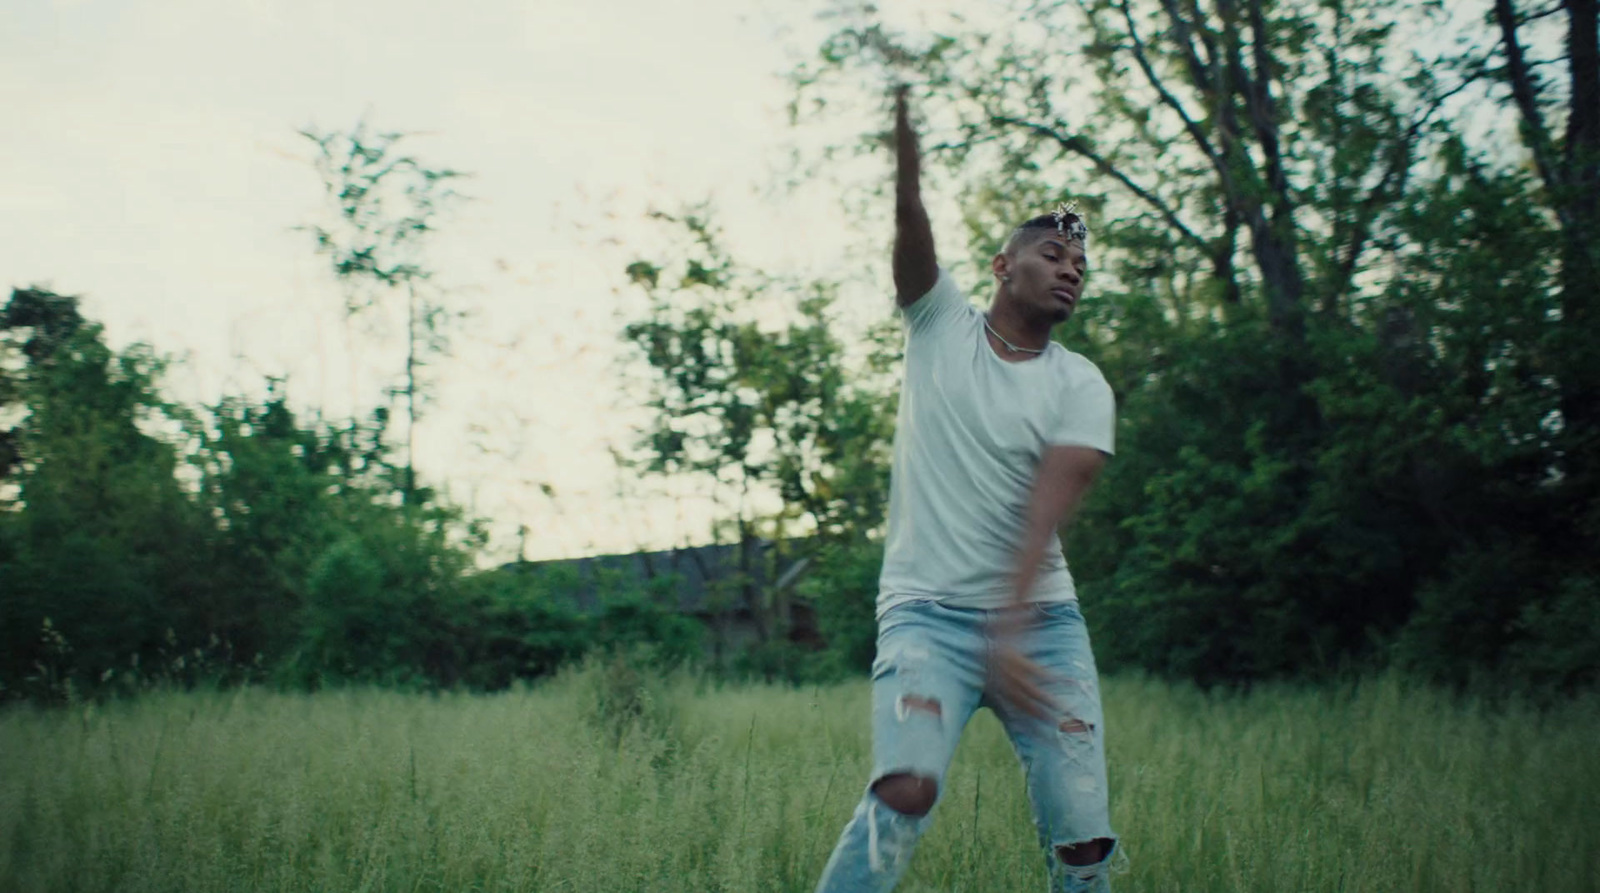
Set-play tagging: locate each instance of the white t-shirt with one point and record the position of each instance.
(970, 433)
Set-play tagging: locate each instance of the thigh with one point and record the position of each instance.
(1064, 753)
(927, 680)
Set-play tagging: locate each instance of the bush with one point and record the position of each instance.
(625, 692)
(844, 587)
(1502, 617)
(630, 624)
(1558, 649)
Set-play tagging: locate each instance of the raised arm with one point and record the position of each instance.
(915, 267)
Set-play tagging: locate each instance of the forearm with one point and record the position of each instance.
(1065, 477)
(915, 266)
(1042, 528)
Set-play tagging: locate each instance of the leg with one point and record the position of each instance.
(926, 682)
(1064, 756)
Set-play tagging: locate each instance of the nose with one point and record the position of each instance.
(1071, 275)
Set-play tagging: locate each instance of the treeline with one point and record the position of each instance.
(146, 542)
(1348, 294)
(1353, 334)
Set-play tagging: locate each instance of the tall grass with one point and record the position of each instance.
(608, 781)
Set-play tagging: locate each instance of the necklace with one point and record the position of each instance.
(1009, 346)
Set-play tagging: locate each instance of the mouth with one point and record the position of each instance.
(1065, 296)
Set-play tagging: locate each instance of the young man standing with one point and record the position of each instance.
(999, 435)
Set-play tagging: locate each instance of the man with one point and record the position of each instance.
(1000, 434)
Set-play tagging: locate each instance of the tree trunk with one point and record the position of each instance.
(1580, 274)
(747, 584)
(1281, 279)
(409, 493)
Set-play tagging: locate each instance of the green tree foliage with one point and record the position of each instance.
(844, 588)
(141, 541)
(1354, 352)
(386, 206)
(750, 390)
(530, 624)
(1345, 353)
(110, 549)
(1559, 120)
(332, 578)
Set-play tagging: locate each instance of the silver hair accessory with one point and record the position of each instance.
(1076, 230)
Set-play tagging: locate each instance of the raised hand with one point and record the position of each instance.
(916, 268)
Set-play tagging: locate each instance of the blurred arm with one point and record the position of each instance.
(916, 268)
(1065, 474)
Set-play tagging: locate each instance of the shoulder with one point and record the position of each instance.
(944, 303)
(1085, 408)
(1076, 371)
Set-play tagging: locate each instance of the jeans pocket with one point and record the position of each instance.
(911, 611)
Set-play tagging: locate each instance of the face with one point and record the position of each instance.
(1046, 276)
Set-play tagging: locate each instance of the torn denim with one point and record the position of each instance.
(927, 681)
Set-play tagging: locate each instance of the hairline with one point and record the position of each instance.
(1045, 234)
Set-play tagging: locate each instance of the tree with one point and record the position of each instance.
(748, 389)
(1329, 319)
(386, 206)
(1200, 120)
(1568, 169)
(105, 557)
(330, 580)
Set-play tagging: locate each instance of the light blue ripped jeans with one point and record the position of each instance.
(927, 681)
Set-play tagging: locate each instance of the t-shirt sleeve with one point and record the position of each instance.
(1088, 416)
(943, 304)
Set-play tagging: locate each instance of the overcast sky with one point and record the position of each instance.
(152, 166)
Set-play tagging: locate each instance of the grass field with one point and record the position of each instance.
(579, 786)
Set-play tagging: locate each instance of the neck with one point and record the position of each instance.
(1017, 329)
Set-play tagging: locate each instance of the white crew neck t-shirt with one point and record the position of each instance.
(970, 433)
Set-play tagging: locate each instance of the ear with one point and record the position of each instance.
(1001, 266)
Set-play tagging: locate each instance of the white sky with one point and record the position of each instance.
(152, 166)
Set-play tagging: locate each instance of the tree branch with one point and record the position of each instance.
(1552, 9)
(1079, 146)
(1172, 102)
(1263, 110)
(1222, 257)
(1199, 72)
(1209, 76)
(1526, 97)
(1390, 186)
(960, 144)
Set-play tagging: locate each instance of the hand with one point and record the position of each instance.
(1017, 681)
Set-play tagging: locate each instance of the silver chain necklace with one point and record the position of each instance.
(1009, 346)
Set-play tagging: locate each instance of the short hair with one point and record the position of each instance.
(1031, 230)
